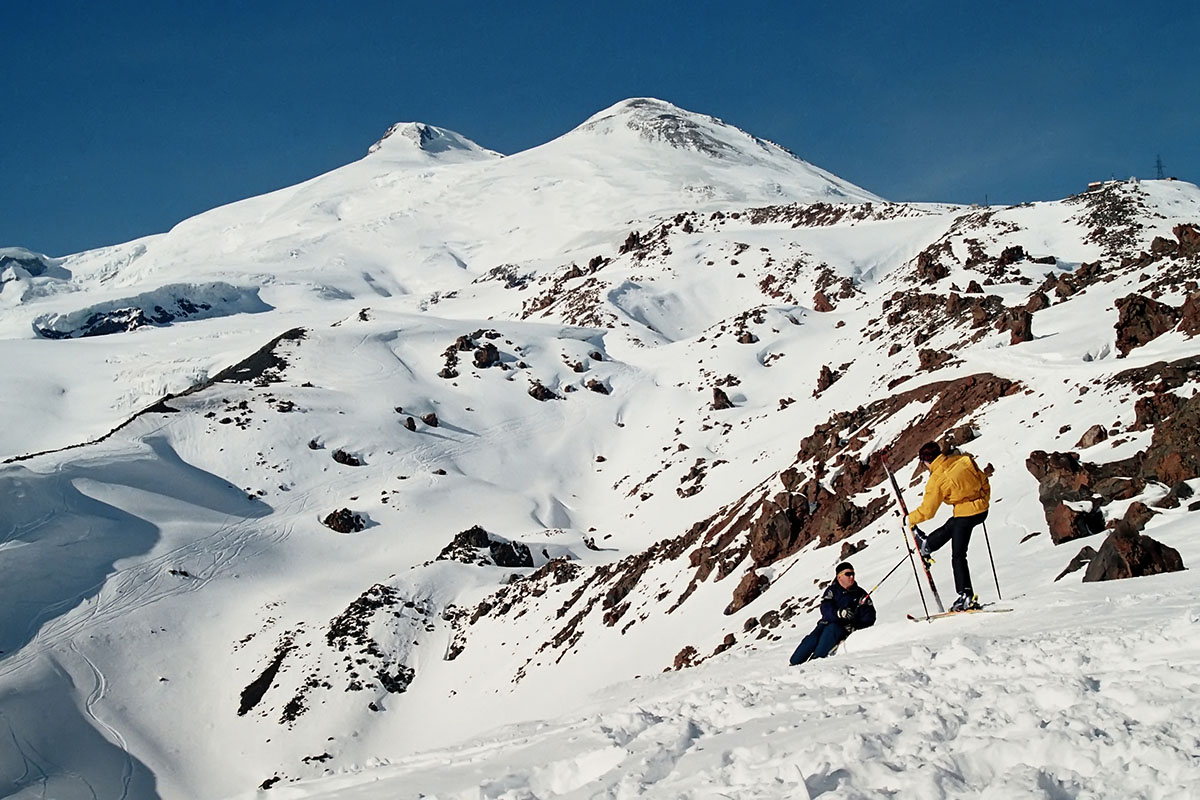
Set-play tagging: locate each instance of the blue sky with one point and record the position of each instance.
(120, 119)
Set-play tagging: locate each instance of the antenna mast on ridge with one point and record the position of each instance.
(1158, 166)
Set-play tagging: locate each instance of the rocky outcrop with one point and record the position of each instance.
(1174, 452)
(932, 359)
(487, 356)
(720, 400)
(1037, 301)
(1136, 516)
(344, 521)
(826, 378)
(540, 392)
(929, 268)
(1092, 437)
(1189, 315)
(1129, 554)
(1073, 492)
(1065, 491)
(1081, 560)
(773, 524)
(748, 589)
(476, 546)
(1018, 322)
(342, 457)
(1141, 320)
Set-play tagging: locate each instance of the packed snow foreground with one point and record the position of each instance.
(458, 475)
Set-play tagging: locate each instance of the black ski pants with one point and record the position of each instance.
(821, 642)
(958, 531)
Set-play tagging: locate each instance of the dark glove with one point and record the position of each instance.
(846, 615)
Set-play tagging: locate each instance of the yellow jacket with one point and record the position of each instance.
(955, 480)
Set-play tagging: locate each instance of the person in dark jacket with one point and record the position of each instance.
(845, 607)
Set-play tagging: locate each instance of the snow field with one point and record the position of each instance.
(1052, 700)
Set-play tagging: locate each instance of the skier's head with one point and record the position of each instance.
(845, 574)
(929, 452)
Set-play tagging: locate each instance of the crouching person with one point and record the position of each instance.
(845, 607)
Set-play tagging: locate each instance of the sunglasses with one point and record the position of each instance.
(847, 572)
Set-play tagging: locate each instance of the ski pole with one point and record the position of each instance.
(908, 544)
(989, 547)
(893, 569)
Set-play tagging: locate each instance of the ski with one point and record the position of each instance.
(945, 614)
(904, 510)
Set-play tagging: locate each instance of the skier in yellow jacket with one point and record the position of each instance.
(957, 481)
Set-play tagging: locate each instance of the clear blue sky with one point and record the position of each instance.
(119, 119)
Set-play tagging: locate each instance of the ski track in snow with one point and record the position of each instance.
(113, 735)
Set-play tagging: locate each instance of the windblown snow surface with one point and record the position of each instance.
(441, 505)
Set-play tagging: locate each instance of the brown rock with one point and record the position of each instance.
(1189, 315)
(1129, 554)
(929, 269)
(729, 641)
(720, 400)
(344, 521)
(932, 359)
(686, 657)
(1136, 516)
(430, 419)
(486, 356)
(1141, 320)
(342, 457)
(540, 392)
(1067, 523)
(1062, 480)
(1150, 410)
(1092, 436)
(1037, 301)
(1019, 322)
(1189, 240)
(974, 288)
(1174, 452)
(410, 423)
(1081, 560)
(954, 304)
(825, 379)
(1011, 255)
(850, 548)
(747, 591)
(821, 302)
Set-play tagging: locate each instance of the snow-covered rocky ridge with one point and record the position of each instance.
(608, 407)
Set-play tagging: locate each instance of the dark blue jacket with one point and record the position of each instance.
(836, 598)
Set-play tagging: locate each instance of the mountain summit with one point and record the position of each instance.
(409, 139)
(658, 120)
(652, 122)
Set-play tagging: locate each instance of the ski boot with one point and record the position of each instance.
(923, 547)
(966, 602)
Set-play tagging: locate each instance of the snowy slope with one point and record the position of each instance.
(436, 338)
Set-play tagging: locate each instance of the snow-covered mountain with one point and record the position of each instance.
(362, 470)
